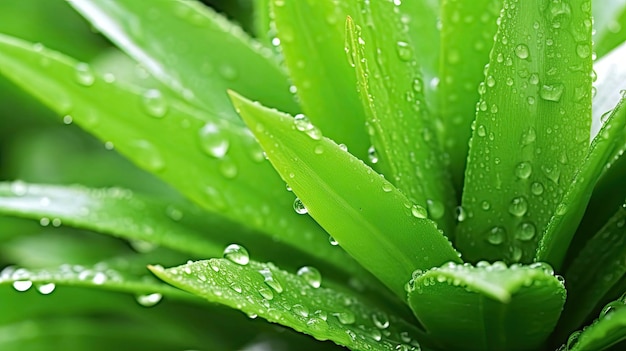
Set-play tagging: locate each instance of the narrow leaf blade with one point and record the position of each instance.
(312, 39)
(176, 41)
(370, 219)
(263, 290)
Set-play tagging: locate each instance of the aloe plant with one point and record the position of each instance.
(382, 175)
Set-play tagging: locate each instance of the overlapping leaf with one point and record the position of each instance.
(295, 301)
(214, 163)
(369, 217)
(487, 307)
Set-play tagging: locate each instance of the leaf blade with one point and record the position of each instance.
(354, 204)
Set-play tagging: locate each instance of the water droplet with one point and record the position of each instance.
(485, 205)
(19, 188)
(310, 275)
(551, 92)
(266, 293)
(496, 235)
(522, 51)
(46, 289)
(405, 53)
(147, 155)
(154, 103)
(300, 310)
(299, 207)
(228, 72)
(518, 206)
(418, 211)
(525, 231)
(237, 254)
(387, 187)
(523, 170)
(481, 131)
(332, 241)
(303, 124)
(380, 319)
(372, 155)
(515, 253)
(536, 188)
(346, 317)
(174, 213)
(529, 136)
(573, 339)
(22, 285)
(228, 168)
(461, 214)
(436, 209)
(546, 268)
(149, 300)
(212, 141)
(583, 50)
(84, 75)
(270, 281)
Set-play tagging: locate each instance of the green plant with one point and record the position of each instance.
(427, 126)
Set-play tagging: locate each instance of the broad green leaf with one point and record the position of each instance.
(532, 128)
(214, 55)
(422, 17)
(609, 17)
(595, 271)
(367, 215)
(487, 307)
(216, 164)
(312, 38)
(405, 148)
(467, 31)
(606, 149)
(607, 330)
(263, 290)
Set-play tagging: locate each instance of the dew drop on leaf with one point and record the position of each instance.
(551, 92)
(522, 51)
(147, 155)
(436, 209)
(372, 155)
(380, 319)
(418, 211)
(310, 275)
(405, 53)
(525, 231)
(22, 285)
(84, 75)
(266, 292)
(269, 280)
(518, 206)
(212, 141)
(237, 254)
(154, 103)
(536, 188)
(149, 300)
(46, 289)
(496, 235)
(299, 207)
(346, 317)
(300, 310)
(523, 170)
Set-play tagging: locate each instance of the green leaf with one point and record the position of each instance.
(312, 38)
(422, 17)
(263, 290)
(404, 147)
(117, 212)
(487, 307)
(467, 30)
(216, 164)
(151, 33)
(104, 275)
(607, 330)
(609, 17)
(611, 75)
(369, 218)
(262, 20)
(595, 271)
(532, 128)
(606, 148)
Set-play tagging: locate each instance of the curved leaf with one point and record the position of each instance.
(532, 128)
(216, 164)
(263, 290)
(606, 149)
(151, 33)
(487, 307)
(611, 76)
(609, 18)
(607, 330)
(312, 37)
(597, 269)
(404, 146)
(369, 218)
